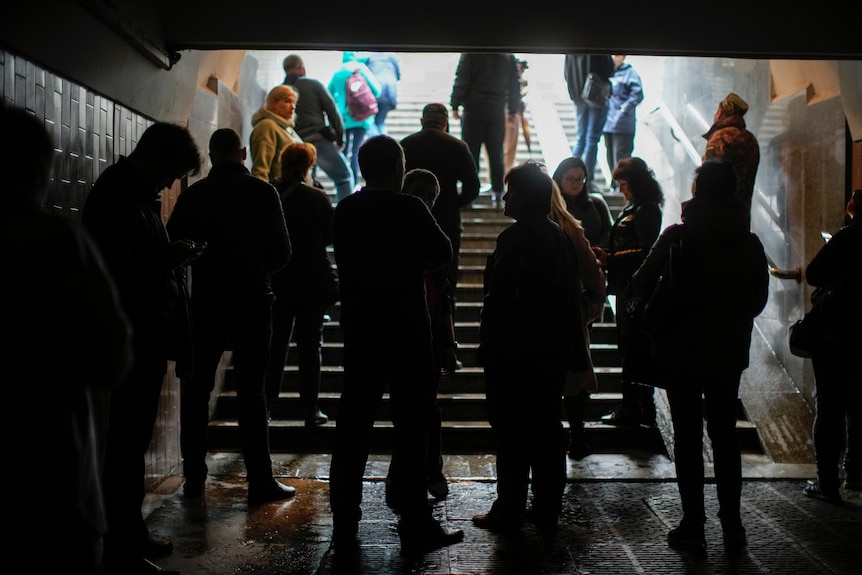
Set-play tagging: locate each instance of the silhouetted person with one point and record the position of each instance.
(301, 295)
(387, 70)
(530, 335)
(239, 219)
(319, 122)
(632, 235)
(838, 415)
(450, 160)
(123, 214)
(728, 140)
(65, 337)
(723, 280)
(384, 243)
(590, 118)
(272, 130)
(576, 393)
(424, 185)
(488, 87)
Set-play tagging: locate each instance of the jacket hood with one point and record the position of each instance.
(348, 57)
(264, 114)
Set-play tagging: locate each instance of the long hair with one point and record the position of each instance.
(641, 180)
(561, 215)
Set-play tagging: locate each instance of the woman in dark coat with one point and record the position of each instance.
(722, 281)
(632, 235)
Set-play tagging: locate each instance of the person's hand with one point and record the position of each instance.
(450, 361)
(602, 256)
(456, 114)
(183, 252)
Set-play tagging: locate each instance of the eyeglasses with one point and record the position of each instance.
(572, 180)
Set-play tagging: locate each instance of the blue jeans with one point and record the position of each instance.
(332, 161)
(355, 138)
(379, 125)
(590, 123)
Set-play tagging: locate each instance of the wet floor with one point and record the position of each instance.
(617, 511)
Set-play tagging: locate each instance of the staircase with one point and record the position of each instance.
(461, 396)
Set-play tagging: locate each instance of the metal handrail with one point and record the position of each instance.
(794, 274)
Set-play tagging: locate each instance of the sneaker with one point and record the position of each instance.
(814, 489)
(686, 538)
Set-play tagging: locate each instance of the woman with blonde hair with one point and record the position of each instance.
(592, 286)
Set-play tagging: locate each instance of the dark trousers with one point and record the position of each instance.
(617, 147)
(246, 331)
(131, 418)
(524, 407)
(716, 396)
(490, 130)
(408, 374)
(838, 415)
(304, 323)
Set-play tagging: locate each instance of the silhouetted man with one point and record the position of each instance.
(448, 158)
(384, 243)
(239, 218)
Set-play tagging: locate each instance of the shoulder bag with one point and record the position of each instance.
(807, 332)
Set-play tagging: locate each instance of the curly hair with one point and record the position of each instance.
(641, 180)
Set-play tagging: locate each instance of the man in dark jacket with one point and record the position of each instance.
(123, 215)
(448, 158)
(703, 348)
(319, 122)
(591, 119)
(384, 243)
(239, 219)
(488, 86)
(530, 335)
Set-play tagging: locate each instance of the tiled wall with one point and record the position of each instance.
(90, 133)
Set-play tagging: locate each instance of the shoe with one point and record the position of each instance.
(647, 417)
(495, 521)
(439, 488)
(344, 532)
(141, 566)
(735, 539)
(622, 416)
(814, 489)
(543, 521)
(578, 447)
(427, 537)
(155, 547)
(269, 492)
(316, 418)
(193, 489)
(687, 538)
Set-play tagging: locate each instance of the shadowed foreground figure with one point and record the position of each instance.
(123, 214)
(65, 337)
(239, 218)
(702, 347)
(384, 243)
(531, 334)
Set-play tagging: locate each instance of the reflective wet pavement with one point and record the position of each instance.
(617, 511)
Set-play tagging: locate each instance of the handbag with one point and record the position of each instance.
(806, 333)
(596, 91)
(653, 318)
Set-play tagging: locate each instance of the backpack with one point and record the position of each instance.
(361, 102)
